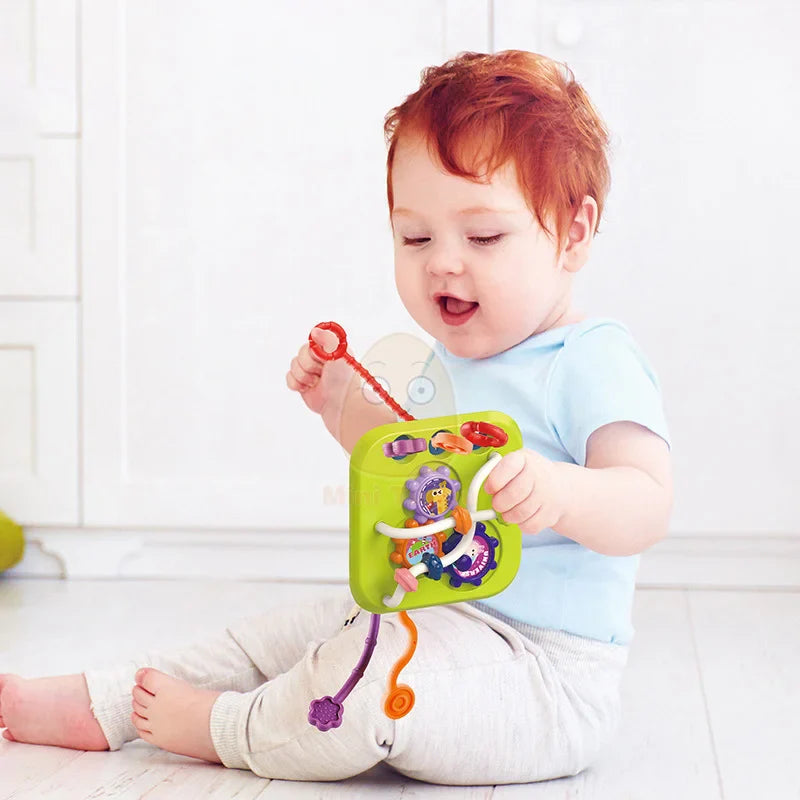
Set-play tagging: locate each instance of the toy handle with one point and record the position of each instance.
(340, 349)
(341, 352)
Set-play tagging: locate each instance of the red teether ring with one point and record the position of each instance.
(340, 350)
(484, 434)
(451, 443)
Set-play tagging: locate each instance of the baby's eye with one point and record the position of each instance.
(484, 240)
(479, 240)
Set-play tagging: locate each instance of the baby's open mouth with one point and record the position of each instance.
(456, 306)
(455, 311)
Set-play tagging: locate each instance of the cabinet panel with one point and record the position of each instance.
(235, 196)
(39, 412)
(38, 148)
(38, 217)
(38, 62)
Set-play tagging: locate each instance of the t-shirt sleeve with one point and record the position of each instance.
(601, 376)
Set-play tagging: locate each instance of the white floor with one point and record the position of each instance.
(712, 696)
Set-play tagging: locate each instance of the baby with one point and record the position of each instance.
(497, 176)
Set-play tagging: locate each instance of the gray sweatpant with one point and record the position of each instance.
(496, 701)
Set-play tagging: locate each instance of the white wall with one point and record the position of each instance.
(173, 225)
(697, 252)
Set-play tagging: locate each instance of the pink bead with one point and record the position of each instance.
(405, 579)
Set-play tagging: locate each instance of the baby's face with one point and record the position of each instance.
(500, 259)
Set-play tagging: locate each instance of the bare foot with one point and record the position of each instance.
(173, 715)
(51, 711)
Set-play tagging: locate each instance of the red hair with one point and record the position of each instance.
(526, 109)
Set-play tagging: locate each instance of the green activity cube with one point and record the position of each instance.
(377, 492)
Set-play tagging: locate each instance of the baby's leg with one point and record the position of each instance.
(91, 711)
(52, 711)
(247, 653)
(492, 706)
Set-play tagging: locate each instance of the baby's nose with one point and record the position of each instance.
(444, 259)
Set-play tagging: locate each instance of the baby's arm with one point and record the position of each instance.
(363, 416)
(619, 503)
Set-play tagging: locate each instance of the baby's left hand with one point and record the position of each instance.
(528, 490)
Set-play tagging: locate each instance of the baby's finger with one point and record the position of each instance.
(509, 467)
(309, 362)
(523, 511)
(305, 377)
(295, 385)
(511, 495)
(542, 518)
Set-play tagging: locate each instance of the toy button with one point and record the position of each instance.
(432, 448)
(452, 443)
(402, 446)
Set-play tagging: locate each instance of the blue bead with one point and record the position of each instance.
(434, 565)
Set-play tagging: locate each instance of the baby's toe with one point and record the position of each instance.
(155, 681)
(151, 679)
(140, 723)
(141, 696)
(140, 709)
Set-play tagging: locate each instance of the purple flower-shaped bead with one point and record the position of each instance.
(325, 713)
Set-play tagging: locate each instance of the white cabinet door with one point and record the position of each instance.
(38, 260)
(233, 170)
(39, 412)
(38, 150)
(696, 251)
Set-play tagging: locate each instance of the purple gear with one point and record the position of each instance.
(480, 563)
(428, 494)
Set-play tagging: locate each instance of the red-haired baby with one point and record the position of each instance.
(497, 174)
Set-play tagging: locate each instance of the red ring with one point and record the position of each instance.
(340, 350)
(484, 434)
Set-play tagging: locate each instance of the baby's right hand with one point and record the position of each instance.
(321, 384)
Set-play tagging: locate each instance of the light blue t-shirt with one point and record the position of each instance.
(560, 386)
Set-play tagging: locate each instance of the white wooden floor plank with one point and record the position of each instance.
(380, 781)
(748, 645)
(22, 768)
(189, 778)
(139, 771)
(377, 782)
(663, 748)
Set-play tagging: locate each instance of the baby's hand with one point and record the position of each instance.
(527, 490)
(321, 384)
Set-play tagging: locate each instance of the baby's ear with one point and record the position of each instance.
(580, 235)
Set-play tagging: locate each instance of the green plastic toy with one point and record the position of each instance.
(424, 487)
(417, 511)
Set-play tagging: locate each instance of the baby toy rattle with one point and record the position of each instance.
(406, 523)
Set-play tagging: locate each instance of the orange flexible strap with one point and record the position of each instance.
(401, 698)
